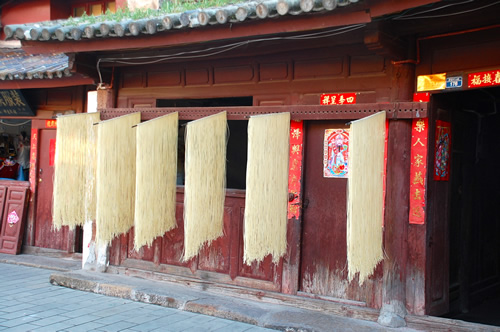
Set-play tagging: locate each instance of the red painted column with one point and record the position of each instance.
(396, 224)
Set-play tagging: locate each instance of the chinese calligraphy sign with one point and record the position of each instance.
(418, 170)
(485, 78)
(33, 152)
(12, 103)
(442, 154)
(337, 98)
(295, 168)
(335, 153)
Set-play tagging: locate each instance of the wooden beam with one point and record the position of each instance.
(188, 36)
(46, 83)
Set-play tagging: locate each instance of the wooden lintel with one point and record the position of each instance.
(46, 83)
(188, 36)
(402, 110)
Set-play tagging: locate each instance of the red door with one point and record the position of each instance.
(324, 249)
(45, 235)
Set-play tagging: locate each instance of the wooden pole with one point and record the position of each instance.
(393, 309)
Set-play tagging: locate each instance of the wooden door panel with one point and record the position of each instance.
(324, 247)
(45, 235)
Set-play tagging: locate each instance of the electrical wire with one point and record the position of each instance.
(220, 49)
(14, 124)
(414, 17)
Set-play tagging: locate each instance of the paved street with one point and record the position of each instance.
(28, 302)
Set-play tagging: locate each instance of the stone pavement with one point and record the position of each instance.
(28, 302)
(118, 302)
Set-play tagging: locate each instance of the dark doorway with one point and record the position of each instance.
(474, 225)
(236, 154)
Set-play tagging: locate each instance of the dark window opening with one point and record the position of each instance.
(236, 156)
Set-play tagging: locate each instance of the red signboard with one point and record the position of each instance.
(52, 152)
(338, 98)
(442, 155)
(421, 97)
(485, 78)
(33, 151)
(295, 168)
(50, 123)
(418, 170)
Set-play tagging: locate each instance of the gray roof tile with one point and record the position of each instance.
(229, 14)
(15, 64)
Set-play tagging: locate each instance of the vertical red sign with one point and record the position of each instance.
(295, 168)
(33, 153)
(418, 170)
(52, 152)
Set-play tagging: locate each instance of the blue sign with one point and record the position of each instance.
(453, 82)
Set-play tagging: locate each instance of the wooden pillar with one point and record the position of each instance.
(396, 224)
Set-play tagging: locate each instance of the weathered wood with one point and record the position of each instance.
(47, 32)
(35, 33)
(171, 21)
(246, 10)
(153, 25)
(226, 14)
(121, 28)
(76, 33)
(267, 9)
(288, 7)
(329, 4)
(189, 18)
(331, 307)
(311, 5)
(396, 220)
(207, 16)
(61, 33)
(10, 30)
(136, 27)
(105, 28)
(19, 33)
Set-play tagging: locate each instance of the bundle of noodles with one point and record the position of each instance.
(204, 190)
(115, 176)
(75, 166)
(365, 195)
(266, 187)
(156, 175)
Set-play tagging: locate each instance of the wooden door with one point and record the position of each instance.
(45, 235)
(324, 249)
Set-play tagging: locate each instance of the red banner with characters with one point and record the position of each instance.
(485, 78)
(442, 154)
(33, 153)
(295, 168)
(338, 98)
(418, 170)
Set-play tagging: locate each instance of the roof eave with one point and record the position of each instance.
(210, 33)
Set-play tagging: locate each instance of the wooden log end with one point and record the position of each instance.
(104, 29)
(282, 7)
(119, 30)
(76, 33)
(89, 31)
(19, 33)
(151, 26)
(35, 34)
(221, 16)
(262, 10)
(241, 14)
(329, 4)
(203, 18)
(60, 34)
(306, 5)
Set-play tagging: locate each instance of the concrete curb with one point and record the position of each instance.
(274, 316)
